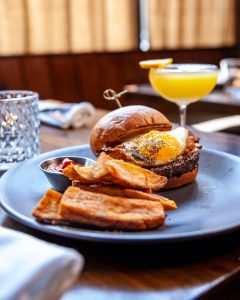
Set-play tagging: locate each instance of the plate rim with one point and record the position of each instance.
(110, 237)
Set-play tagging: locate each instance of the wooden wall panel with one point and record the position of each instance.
(89, 77)
(84, 77)
(11, 74)
(63, 73)
(99, 72)
(38, 76)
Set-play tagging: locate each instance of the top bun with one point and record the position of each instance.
(126, 122)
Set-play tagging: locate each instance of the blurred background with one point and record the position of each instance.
(73, 50)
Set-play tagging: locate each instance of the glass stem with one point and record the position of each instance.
(183, 111)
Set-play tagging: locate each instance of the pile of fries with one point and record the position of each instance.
(112, 194)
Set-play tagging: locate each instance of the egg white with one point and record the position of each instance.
(157, 147)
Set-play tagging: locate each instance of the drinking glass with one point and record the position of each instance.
(184, 84)
(230, 74)
(19, 127)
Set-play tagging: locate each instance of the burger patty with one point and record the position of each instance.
(183, 164)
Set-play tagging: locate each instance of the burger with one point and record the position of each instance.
(145, 137)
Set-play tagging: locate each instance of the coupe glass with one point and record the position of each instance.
(184, 84)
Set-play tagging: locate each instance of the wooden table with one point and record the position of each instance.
(148, 271)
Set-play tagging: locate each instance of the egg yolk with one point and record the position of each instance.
(157, 145)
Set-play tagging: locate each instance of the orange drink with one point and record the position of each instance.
(181, 83)
(183, 87)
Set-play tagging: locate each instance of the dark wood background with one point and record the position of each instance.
(84, 77)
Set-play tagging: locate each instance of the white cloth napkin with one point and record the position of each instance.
(31, 269)
(218, 124)
(66, 115)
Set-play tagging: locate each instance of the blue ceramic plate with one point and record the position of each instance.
(208, 207)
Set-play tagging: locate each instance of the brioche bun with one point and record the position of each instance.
(125, 122)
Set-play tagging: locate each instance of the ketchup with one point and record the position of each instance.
(59, 167)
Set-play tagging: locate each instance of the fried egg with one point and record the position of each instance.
(157, 147)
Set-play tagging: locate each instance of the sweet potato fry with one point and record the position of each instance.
(167, 203)
(102, 210)
(110, 212)
(103, 186)
(75, 172)
(81, 174)
(113, 190)
(47, 208)
(126, 174)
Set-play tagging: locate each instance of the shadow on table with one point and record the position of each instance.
(165, 269)
(150, 254)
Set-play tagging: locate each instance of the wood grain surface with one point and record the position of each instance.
(173, 271)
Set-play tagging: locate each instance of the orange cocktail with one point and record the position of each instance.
(183, 83)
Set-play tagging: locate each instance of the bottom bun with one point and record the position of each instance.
(185, 178)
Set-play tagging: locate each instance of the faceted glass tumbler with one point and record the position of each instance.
(19, 127)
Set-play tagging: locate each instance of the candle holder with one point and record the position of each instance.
(19, 127)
